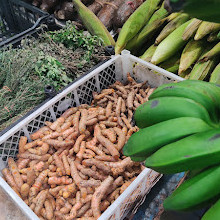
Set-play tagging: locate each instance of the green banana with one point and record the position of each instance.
(193, 152)
(191, 29)
(210, 89)
(215, 51)
(138, 159)
(202, 70)
(190, 54)
(134, 23)
(170, 45)
(215, 75)
(165, 108)
(206, 28)
(218, 35)
(92, 23)
(213, 213)
(147, 140)
(148, 53)
(179, 90)
(171, 26)
(195, 192)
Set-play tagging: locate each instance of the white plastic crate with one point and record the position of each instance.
(80, 92)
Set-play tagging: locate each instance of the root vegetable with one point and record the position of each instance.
(68, 190)
(103, 94)
(65, 126)
(89, 152)
(24, 177)
(92, 121)
(40, 150)
(58, 144)
(75, 208)
(39, 134)
(31, 176)
(78, 142)
(123, 106)
(79, 155)
(99, 164)
(9, 178)
(55, 125)
(25, 190)
(72, 136)
(125, 186)
(59, 163)
(109, 145)
(22, 163)
(126, 121)
(30, 156)
(66, 209)
(109, 109)
(99, 194)
(121, 164)
(31, 144)
(40, 202)
(90, 183)
(125, 10)
(39, 166)
(106, 14)
(55, 190)
(74, 172)
(52, 135)
(38, 183)
(112, 196)
(22, 143)
(130, 99)
(121, 138)
(96, 6)
(66, 164)
(15, 172)
(83, 210)
(84, 177)
(64, 180)
(16, 191)
(104, 205)
(69, 112)
(94, 148)
(82, 122)
(105, 158)
(49, 209)
(68, 132)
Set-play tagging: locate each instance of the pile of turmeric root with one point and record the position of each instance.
(74, 167)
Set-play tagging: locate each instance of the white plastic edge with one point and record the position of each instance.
(55, 99)
(156, 68)
(112, 208)
(25, 209)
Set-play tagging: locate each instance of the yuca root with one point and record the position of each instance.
(74, 167)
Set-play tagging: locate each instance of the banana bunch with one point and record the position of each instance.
(179, 131)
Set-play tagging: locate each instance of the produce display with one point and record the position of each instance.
(74, 166)
(185, 46)
(111, 13)
(55, 58)
(179, 131)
